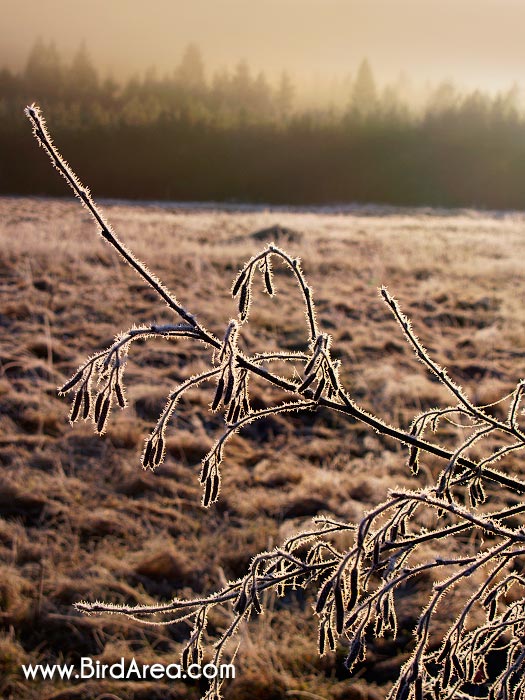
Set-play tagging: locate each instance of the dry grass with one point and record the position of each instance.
(79, 517)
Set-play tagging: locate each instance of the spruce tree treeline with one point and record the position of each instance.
(236, 136)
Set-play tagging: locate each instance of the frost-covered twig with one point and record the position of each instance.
(356, 590)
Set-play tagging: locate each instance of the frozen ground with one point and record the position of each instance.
(79, 518)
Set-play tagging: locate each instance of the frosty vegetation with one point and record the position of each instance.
(449, 534)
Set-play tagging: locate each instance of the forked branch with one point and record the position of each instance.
(356, 589)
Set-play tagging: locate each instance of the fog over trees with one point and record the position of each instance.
(234, 134)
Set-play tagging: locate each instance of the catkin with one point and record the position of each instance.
(322, 639)
(241, 602)
(323, 595)
(86, 398)
(76, 406)
(354, 589)
(120, 396)
(218, 394)
(339, 608)
(101, 423)
(72, 382)
(98, 407)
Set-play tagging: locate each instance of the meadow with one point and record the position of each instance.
(81, 520)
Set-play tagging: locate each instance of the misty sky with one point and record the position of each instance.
(474, 42)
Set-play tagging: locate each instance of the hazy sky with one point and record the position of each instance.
(474, 42)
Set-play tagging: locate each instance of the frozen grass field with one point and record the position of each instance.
(79, 519)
